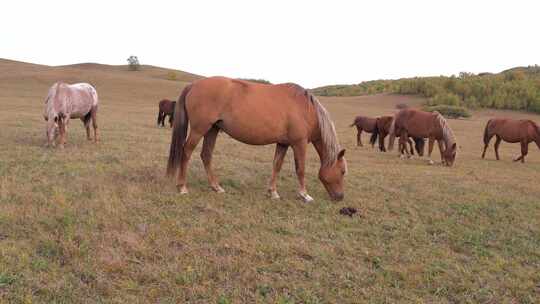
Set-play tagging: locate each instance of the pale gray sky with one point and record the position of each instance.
(309, 42)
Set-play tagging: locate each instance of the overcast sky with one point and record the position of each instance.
(312, 43)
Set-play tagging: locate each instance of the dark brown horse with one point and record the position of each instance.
(256, 114)
(165, 108)
(382, 129)
(363, 123)
(420, 124)
(512, 131)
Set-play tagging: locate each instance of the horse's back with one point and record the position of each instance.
(417, 123)
(251, 112)
(510, 130)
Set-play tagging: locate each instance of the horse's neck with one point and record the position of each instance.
(448, 138)
(319, 147)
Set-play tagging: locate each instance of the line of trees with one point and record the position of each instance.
(515, 89)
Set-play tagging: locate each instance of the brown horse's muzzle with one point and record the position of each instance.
(337, 196)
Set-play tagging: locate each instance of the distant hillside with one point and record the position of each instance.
(115, 83)
(516, 89)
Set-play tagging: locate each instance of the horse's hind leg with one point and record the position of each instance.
(281, 151)
(93, 114)
(411, 147)
(209, 143)
(359, 137)
(403, 140)
(299, 150)
(496, 146)
(192, 141)
(524, 151)
(86, 121)
(486, 144)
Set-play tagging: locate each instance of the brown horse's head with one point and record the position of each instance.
(332, 176)
(449, 155)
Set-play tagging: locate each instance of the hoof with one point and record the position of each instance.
(273, 194)
(218, 189)
(182, 189)
(431, 162)
(402, 156)
(305, 197)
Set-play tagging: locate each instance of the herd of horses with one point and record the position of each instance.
(286, 115)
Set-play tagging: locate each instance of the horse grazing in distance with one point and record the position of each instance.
(363, 123)
(68, 101)
(165, 107)
(420, 124)
(258, 114)
(512, 131)
(382, 129)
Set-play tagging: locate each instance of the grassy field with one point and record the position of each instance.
(102, 224)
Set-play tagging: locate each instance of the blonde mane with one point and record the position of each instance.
(328, 133)
(448, 134)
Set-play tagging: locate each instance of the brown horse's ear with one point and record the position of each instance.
(341, 154)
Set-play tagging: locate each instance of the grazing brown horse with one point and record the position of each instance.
(420, 124)
(363, 123)
(382, 129)
(166, 107)
(256, 114)
(66, 101)
(512, 131)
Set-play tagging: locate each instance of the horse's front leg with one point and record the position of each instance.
(299, 150)
(442, 148)
(62, 126)
(279, 156)
(430, 149)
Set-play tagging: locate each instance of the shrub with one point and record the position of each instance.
(445, 99)
(171, 76)
(450, 111)
(256, 80)
(133, 62)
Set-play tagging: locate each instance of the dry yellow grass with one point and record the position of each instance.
(102, 223)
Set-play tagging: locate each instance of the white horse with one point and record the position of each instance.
(66, 101)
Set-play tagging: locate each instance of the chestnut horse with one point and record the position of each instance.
(165, 107)
(64, 102)
(512, 131)
(382, 129)
(363, 123)
(256, 114)
(420, 124)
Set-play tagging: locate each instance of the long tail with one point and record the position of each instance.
(392, 132)
(486, 132)
(375, 134)
(179, 134)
